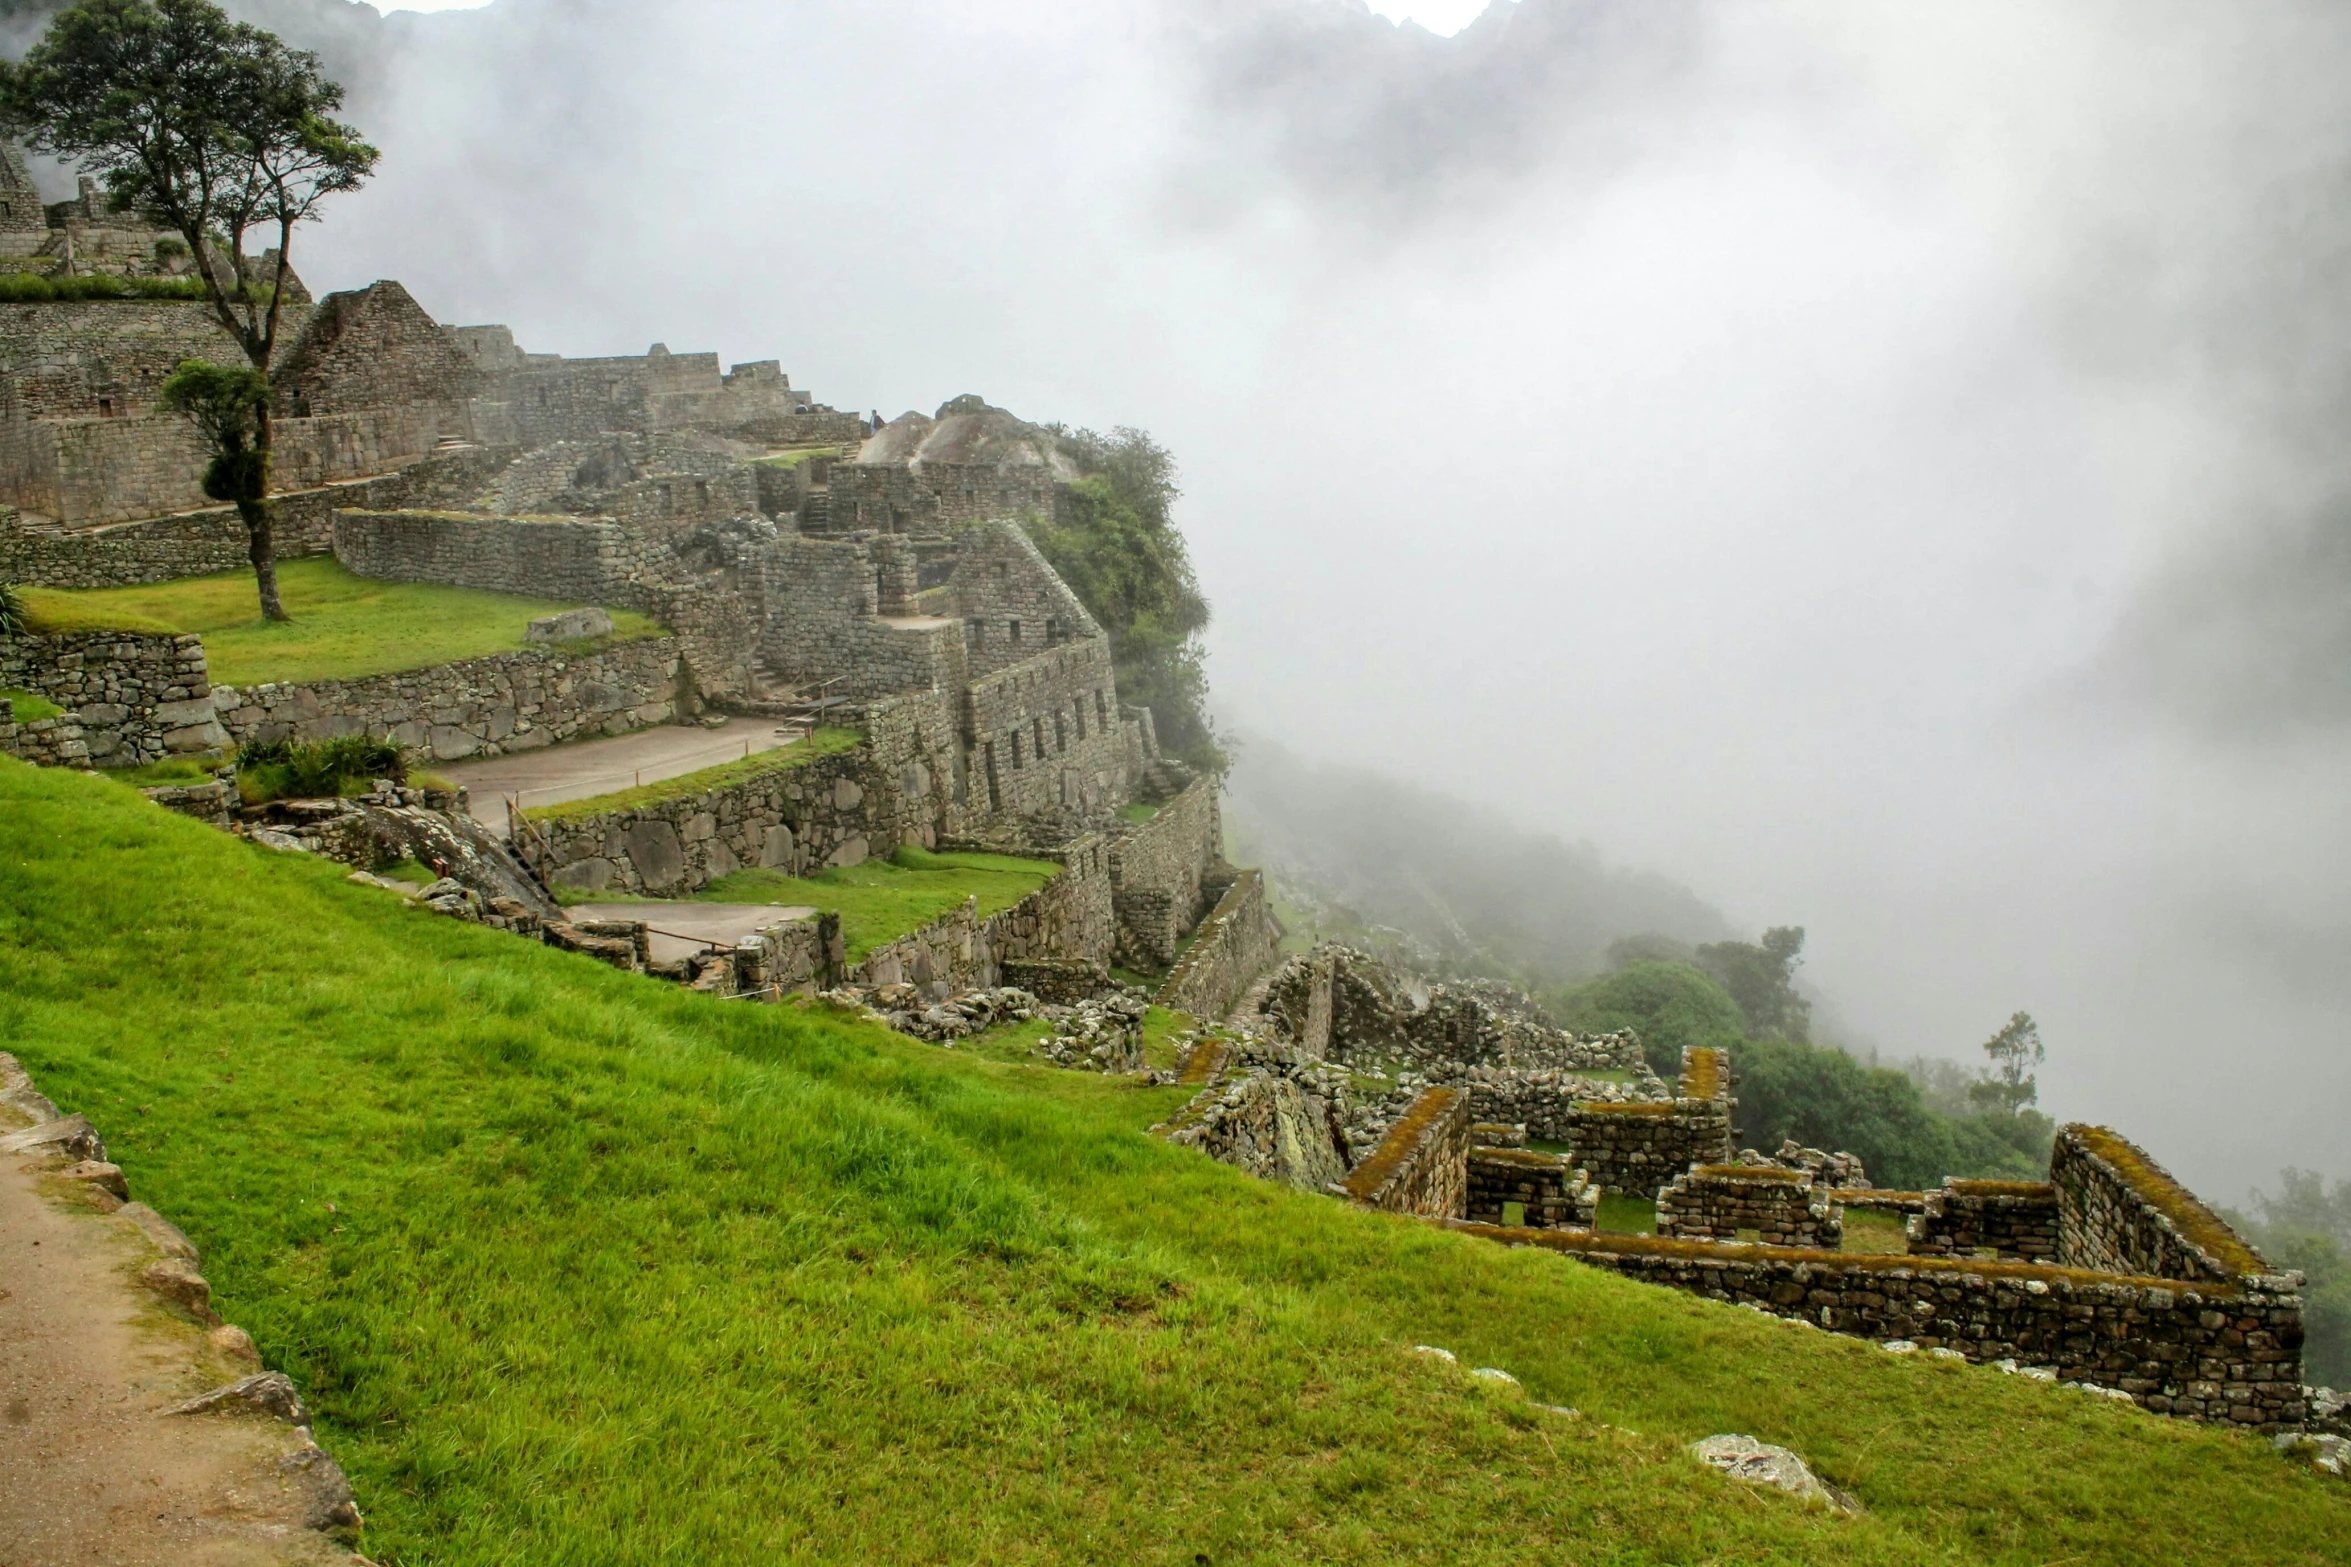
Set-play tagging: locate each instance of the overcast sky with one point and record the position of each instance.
(1880, 465)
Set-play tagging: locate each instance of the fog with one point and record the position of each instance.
(1879, 466)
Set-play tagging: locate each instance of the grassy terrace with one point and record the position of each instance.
(618, 1274)
(824, 743)
(882, 900)
(26, 708)
(344, 626)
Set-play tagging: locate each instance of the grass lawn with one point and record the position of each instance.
(823, 743)
(793, 459)
(344, 626)
(618, 1274)
(26, 708)
(1875, 1230)
(882, 900)
(1137, 814)
(1628, 1215)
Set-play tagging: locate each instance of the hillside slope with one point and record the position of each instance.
(580, 1267)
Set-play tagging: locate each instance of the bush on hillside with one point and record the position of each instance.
(1670, 1005)
(1118, 548)
(286, 770)
(13, 622)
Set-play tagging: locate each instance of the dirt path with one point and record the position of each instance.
(586, 768)
(93, 1470)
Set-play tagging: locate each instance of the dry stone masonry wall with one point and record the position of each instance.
(1547, 1190)
(492, 706)
(1237, 942)
(1723, 1202)
(1638, 1149)
(2015, 1221)
(2121, 1212)
(1422, 1166)
(128, 699)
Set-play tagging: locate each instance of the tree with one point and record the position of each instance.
(1762, 979)
(2307, 1228)
(2015, 1051)
(214, 129)
(1118, 548)
(1670, 1005)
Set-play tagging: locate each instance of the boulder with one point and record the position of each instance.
(1750, 1462)
(266, 1392)
(573, 625)
(166, 1235)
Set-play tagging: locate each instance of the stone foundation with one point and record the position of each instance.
(1637, 1149)
(1550, 1192)
(1718, 1202)
(2013, 1221)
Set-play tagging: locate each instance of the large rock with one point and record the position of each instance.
(1745, 1459)
(572, 625)
(655, 849)
(71, 1136)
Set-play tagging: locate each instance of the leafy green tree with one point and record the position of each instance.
(211, 128)
(1762, 979)
(2015, 1050)
(1117, 546)
(228, 406)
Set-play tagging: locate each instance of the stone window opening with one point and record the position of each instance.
(1037, 724)
(105, 407)
(1101, 708)
(1016, 750)
(1016, 633)
(988, 760)
(1060, 735)
(1077, 710)
(975, 630)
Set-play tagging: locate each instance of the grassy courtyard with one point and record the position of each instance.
(343, 627)
(618, 1274)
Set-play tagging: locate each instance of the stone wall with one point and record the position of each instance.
(568, 559)
(84, 471)
(935, 498)
(1066, 920)
(1297, 1006)
(197, 543)
(107, 358)
(1550, 1191)
(1013, 604)
(1238, 941)
(822, 605)
(128, 699)
(803, 815)
(2178, 1347)
(1716, 1202)
(1638, 1148)
(1542, 1099)
(1044, 736)
(507, 702)
(2120, 1211)
(1384, 1017)
(1422, 1166)
(374, 347)
(1266, 1125)
(2014, 1220)
(1162, 870)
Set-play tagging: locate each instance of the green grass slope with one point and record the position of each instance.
(577, 1267)
(344, 626)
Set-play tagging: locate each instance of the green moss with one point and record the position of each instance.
(1365, 1180)
(726, 775)
(2203, 1228)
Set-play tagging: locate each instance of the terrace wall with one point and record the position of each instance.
(1422, 1166)
(2177, 1347)
(198, 543)
(1163, 869)
(129, 699)
(507, 702)
(570, 559)
(1238, 941)
(938, 497)
(1066, 919)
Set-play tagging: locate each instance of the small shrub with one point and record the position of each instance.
(13, 622)
(285, 770)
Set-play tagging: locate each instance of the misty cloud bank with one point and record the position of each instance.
(1881, 467)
